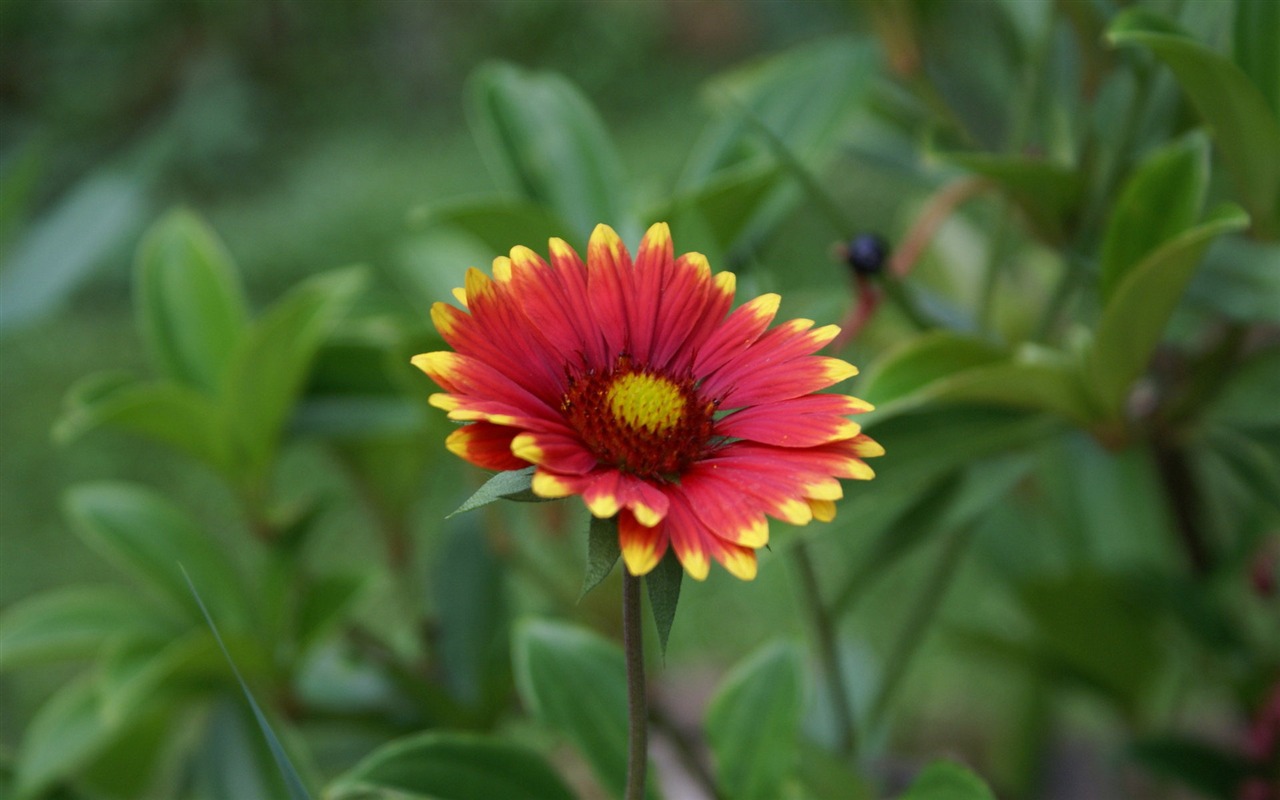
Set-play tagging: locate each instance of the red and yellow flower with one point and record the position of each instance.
(634, 385)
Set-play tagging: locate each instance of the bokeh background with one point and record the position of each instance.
(314, 135)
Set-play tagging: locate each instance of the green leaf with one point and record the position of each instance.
(576, 682)
(1256, 51)
(603, 551)
(510, 485)
(1134, 319)
(826, 777)
(469, 590)
(191, 309)
(543, 139)
(922, 360)
(178, 416)
(1248, 398)
(1246, 129)
(1099, 625)
(1240, 279)
(230, 760)
(1162, 198)
(293, 781)
(76, 622)
(185, 665)
(1198, 765)
(61, 249)
(944, 780)
(753, 724)
(66, 733)
(325, 601)
(663, 584)
(501, 224)
(715, 216)
(800, 96)
(449, 766)
(268, 370)
(132, 763)
(1048, 193)
(920, 519)
(149, 537)
(945, 367)
(927, 445)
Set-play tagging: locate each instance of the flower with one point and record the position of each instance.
(635, 386)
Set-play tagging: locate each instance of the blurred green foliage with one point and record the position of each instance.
(1074, 357)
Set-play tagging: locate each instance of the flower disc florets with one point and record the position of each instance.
(639, 387)
(639, 420)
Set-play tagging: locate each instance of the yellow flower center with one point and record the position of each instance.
(640, 420)
(643, 401)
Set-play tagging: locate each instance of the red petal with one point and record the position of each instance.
(799, 422)
(609, 287)
(642, 547)
(560, 453)
(485, 445)
(736, 333)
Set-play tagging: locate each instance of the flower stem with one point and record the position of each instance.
(825, 634)
(637, 707)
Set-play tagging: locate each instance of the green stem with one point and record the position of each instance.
(637, 707)
(918, 621)
(825, 634)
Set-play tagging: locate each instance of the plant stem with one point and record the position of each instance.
(637, 707)
(918, 620)
(825, 633)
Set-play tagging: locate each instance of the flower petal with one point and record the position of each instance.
(688, 537)
(611, 490)
(736, 333)
(776, 354)
(798, 422)
(609, 286)
(642, 547)
(558, 452)
(723, 511)
(651, 281)
(550, 294)
(485, 445)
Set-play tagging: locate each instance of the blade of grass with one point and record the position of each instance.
(297, 791)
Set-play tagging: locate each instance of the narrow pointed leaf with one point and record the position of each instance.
(663, 584)
(603, 551)
(511, 484)
(297, 790)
